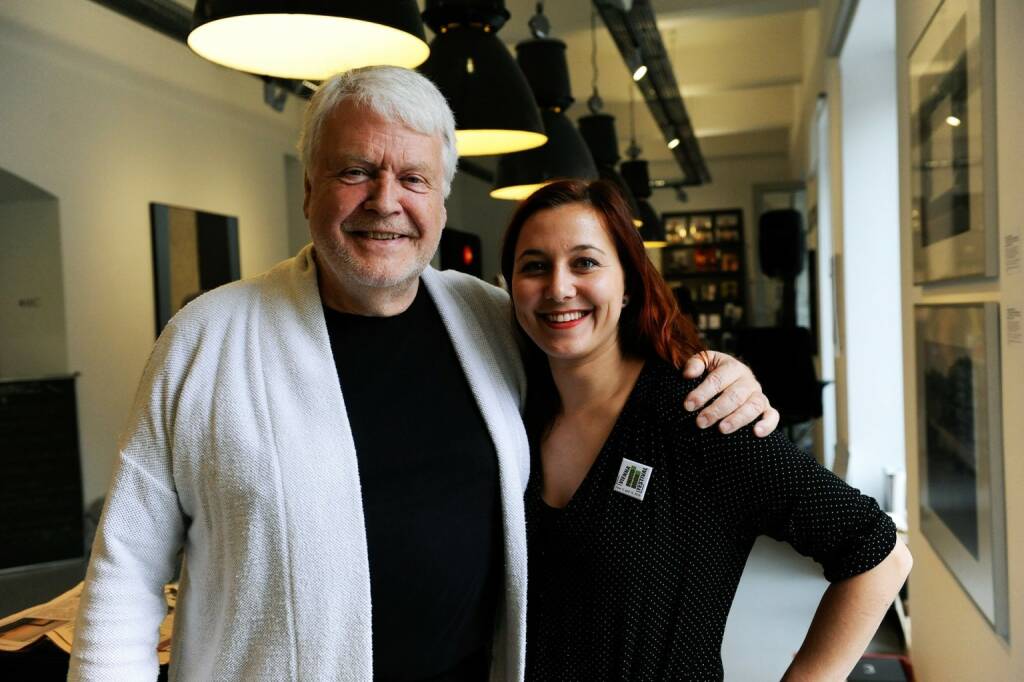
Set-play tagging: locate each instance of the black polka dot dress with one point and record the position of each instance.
(624, 588)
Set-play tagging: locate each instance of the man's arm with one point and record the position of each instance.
(141, 531)
(123, 604)
(846, 619)
(740, 399)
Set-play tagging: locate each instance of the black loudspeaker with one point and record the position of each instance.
(782, 359)
(783, 249)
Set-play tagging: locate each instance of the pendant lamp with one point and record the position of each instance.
(494, 108)
(307, 39)
(635, 173)
(652, 228)
(565, 155)
(598, 131)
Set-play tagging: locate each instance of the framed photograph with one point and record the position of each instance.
(952, 138)
(960, 462)
(193, 252)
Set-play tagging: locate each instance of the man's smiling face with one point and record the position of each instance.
(375, 203)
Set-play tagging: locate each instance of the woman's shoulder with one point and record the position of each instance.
(661, 389)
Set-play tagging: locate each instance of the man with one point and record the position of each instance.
(337, 448)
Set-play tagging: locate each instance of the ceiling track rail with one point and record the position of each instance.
(633, 27)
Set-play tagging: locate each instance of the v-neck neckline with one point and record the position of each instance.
(596, 469)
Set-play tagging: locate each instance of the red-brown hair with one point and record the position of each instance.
(650, 327)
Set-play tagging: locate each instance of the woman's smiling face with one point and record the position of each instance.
(568, 284)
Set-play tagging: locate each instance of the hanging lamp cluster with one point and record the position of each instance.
(513, 107)
(314, 39)
(565, 155)
(307, 39)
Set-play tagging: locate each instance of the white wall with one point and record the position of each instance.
(873, 433)
(109, 116)
(298, 228)
(32, 342)
(951, 639)
(732, 186)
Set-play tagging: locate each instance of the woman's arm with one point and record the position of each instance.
(846, 619)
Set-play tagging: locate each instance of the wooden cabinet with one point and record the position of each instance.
(41, 483)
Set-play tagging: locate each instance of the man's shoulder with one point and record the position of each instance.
(475, 294)
(217, 305)
(234, 302)
(469, 285)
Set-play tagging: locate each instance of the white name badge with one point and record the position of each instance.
(633, 478)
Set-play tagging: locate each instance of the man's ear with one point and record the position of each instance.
(444, 216)
(305, 195)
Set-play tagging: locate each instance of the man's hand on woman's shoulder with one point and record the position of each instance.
(740, 400)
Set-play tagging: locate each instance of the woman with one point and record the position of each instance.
(640, 523)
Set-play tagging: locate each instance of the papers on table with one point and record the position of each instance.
(55, 620)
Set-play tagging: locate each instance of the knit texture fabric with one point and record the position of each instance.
(238, 451)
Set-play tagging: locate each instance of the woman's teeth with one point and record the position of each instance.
(565, 317)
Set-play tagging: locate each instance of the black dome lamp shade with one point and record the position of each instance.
(637, 177)
(307, 39)
(652, 229)
(598, 132)
(565, 155)
(494, 108)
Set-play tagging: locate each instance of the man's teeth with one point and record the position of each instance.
(381, 235)
(565, 317)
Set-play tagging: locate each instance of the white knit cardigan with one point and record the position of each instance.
(239, 450)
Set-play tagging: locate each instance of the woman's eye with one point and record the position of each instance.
(532, 266)
(586, 263)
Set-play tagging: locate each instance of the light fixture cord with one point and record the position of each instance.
(632, 116)
(593, 50)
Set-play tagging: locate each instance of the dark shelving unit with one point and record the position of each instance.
(705, 264)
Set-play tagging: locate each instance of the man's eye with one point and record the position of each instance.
(355, 173)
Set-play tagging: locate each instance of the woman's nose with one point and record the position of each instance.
(561, 286)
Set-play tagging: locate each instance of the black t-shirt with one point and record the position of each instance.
(429, 477)
(627, 589)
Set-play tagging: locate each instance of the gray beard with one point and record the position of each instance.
(354, 271)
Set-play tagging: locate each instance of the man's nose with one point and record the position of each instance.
(561, 285)
(383, 195)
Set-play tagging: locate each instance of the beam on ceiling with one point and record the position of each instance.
(636, 29)
(164, 16)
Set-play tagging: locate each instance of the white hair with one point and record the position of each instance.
(393, 93)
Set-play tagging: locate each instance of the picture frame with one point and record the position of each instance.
(193, 251)
(952, 136)
(960, 458)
